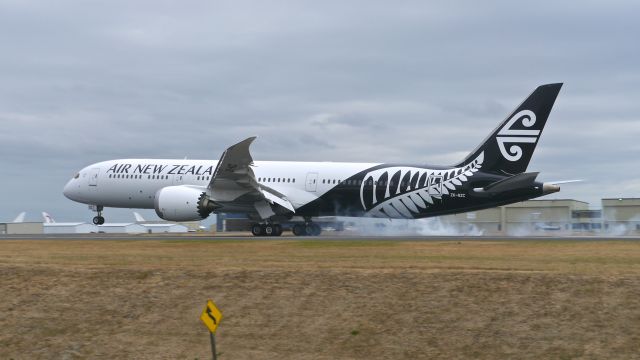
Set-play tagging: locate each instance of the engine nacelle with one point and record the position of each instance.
(182, 203)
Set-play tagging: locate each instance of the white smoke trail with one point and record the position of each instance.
(420, 227)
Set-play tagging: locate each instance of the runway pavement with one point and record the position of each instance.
(325, 237)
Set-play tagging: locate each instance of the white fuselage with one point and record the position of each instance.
(133, 183)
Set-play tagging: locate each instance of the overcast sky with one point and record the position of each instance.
(374, 81)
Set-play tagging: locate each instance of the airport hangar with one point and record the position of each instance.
(87, 228)
(553, 216)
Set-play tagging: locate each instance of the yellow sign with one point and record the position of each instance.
(211, 316)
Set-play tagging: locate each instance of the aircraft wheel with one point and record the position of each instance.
(98, 220)
(256, 230)
(277, 230)
(298, 230)
(310, 229)
(268, 230)
(316, 229)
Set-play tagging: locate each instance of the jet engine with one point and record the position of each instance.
(183, 203)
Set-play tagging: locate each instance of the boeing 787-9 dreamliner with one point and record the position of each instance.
(272, 192)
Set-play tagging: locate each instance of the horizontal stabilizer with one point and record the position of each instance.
(514, 182)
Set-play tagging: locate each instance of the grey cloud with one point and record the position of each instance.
(358, 81)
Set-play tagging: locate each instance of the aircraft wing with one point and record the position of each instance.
(234, 185)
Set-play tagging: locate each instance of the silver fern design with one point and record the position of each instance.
(403, 192)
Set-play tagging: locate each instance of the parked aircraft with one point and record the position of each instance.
(271, 192)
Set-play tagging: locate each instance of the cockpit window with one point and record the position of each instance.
(77, 176)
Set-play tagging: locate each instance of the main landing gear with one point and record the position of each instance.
(266, 229)
(98, 220)
(306, 229)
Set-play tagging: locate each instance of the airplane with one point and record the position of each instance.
(273, 192)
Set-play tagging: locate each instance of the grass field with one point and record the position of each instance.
(289, 299)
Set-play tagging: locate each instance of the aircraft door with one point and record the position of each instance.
(93, 176)
(312, 182)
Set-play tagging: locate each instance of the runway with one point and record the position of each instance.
(324, 237)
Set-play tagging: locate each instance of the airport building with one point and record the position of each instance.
(523, 218)
(69, 228)
(558, 216)
(114, 228)
(19, 228)
(621, 216)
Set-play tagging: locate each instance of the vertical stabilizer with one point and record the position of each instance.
(138, 217)
(509, 148)
(47, 218)
(20, 217)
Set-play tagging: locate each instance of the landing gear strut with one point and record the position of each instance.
(266, 229)
(98, 220)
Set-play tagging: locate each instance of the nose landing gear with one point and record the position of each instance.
(98, 220)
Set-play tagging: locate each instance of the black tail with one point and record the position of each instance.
(509, 148)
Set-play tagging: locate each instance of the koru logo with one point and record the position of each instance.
(511, 136)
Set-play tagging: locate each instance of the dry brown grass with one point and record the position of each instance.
(287, 299)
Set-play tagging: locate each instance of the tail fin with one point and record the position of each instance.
(509, 148)
(47, 218)
(20, 217)
(138, 217)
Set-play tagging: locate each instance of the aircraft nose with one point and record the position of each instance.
(69, 190)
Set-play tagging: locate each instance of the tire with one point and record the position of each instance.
(277, 230)
(316, 229)
(256, 229)
(309, 229)
(298, 230)
(96, 220)
(268, 230)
